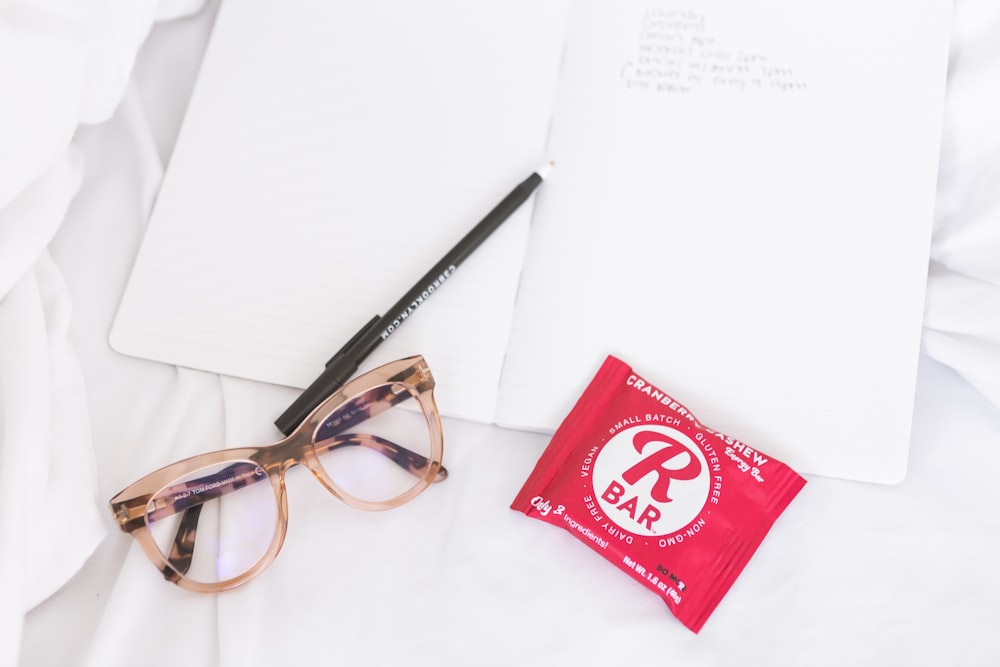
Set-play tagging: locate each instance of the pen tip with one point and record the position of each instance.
(544, 170)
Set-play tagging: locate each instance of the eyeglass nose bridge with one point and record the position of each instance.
(279, 458)
(285, 454)
(296, 449)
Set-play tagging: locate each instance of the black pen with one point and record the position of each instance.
(345, 363)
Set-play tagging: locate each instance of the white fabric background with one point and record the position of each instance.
(852, 574)
(962, 317)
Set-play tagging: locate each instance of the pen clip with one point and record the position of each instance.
(362, 332)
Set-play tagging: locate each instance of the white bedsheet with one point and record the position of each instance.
(852, 573)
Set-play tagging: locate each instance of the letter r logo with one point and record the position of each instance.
(656, 463)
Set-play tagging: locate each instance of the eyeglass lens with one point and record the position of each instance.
(375, 447)
(215, 523)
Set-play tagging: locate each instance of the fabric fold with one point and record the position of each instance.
(63, 63)
(962, 306)
(49, 521)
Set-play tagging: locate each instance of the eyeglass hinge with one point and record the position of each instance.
(122, 515)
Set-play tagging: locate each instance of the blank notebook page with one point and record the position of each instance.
(741, 210)
(332, 153)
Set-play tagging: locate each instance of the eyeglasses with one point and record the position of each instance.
(214, 521)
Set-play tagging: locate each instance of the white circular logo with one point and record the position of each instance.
(651, 480)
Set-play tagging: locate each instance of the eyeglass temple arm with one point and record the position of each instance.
(198, 491)
(182, 550)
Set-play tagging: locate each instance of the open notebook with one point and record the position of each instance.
(741, 206)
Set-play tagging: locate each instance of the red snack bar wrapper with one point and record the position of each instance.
(676, 505)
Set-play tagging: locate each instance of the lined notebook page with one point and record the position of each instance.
(742, 211)
(332, 153)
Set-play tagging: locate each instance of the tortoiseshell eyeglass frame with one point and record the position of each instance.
(392, 383)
